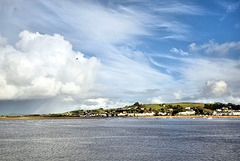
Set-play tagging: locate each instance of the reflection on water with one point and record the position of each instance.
(120, 139)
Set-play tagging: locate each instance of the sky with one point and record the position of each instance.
(58, 56)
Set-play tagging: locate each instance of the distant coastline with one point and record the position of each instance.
(75, 117)
(137, 110)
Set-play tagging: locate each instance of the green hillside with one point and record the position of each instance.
(143, 108)
(187, 104)
(168, 105)
(158, 109)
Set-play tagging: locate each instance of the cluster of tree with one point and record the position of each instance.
(218, 105)
(177, 109)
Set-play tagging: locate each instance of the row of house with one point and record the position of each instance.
(136, 114)
(227, 113)
(188, 111)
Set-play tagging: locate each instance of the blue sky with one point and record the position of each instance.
(58, 56)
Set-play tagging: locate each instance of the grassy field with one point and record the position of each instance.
(153, 106)
(186, 104)
(183, 104)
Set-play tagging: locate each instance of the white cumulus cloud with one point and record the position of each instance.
(178, 94)
(232, 99)
(156, 100)
(215, 89)
(44, 66)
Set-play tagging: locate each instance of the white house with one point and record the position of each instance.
(161, 113)
(145, 114)
(187, 113)
(227, 113)
(130, 114)
(150, 114)
(121, 114)
(102, 115)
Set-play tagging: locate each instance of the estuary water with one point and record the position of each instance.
(121, 139)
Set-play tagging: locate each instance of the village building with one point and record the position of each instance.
(236, 113)
(131, 114)
(162, 113)
(187, 113)
(121, 114)
(145, 114)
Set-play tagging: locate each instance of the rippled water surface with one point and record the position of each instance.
(120, 139)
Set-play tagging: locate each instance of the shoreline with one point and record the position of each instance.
(135, 117)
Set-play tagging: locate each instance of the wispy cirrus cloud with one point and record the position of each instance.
(212, 47)
(229, 8)
(180, 8)
(179, 51)
(125, 23)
